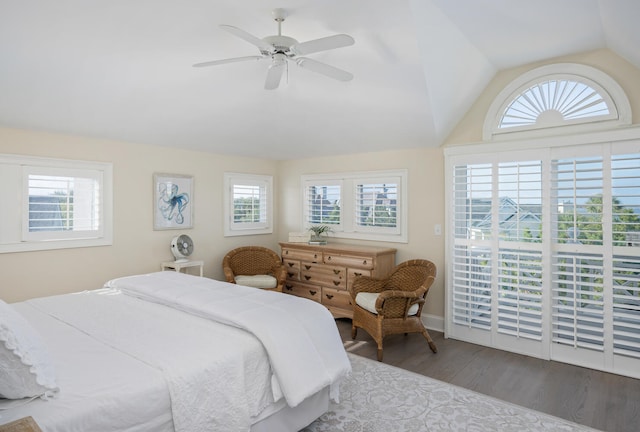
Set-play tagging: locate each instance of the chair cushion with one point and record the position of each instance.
(257, 281)
(367, 301)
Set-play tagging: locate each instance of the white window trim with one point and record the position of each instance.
(11, 234)
(347, 228)
(232, 229)
(606, 86)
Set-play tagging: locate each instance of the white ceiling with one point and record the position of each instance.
(121, 69)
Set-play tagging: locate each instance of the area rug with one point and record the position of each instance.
(377, 397)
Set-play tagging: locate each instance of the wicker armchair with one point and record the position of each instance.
(393, 305)
(254, 261)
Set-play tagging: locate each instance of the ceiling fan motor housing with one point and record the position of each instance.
(281, 44)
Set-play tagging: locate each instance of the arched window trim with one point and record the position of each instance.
(609, 89)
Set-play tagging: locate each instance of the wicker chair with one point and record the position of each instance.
(254, 261)
(393, 305)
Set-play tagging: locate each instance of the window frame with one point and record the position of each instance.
(348, 228)
(608, 88)
(265, 183)
(15, 177)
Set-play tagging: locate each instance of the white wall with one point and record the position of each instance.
(136, 248)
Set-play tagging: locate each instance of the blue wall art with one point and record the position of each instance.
(172, 201)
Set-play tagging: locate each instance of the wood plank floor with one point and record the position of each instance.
(597, 399)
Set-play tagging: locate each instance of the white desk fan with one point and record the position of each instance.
(182, 247)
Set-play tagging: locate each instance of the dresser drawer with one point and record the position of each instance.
(303, 255)
(335, 277)
(301, 290)
(363, 262)
(337, 299)
(354, 273)
(292, 267)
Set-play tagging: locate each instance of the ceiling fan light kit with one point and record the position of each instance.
(280, 49)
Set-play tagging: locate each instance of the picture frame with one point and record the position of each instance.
(172, 201)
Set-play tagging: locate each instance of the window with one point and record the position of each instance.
(249, 204)
(369, 206)
(554, 98)
(545, 254)
(62, 204)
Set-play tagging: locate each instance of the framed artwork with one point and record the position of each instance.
(172, 201)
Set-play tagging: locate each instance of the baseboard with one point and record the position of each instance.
(433, 322)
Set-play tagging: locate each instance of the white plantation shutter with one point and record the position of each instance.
(544, 255)
(520, 293)
(62, 203)
(376, 205)
(472, 287)
(578, 301)
(472, 261)
(577, 211)
(625, 174)
(626, 306)
(249, 204)
(323, 203)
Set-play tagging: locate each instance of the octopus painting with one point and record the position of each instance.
(172, 204)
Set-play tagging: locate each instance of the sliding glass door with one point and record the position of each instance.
(544, 253)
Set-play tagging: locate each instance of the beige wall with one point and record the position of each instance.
(469, 129)
(426, 203)
(136, 248)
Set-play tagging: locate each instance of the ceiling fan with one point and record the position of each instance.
(280, 50)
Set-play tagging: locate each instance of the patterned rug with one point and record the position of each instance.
(377, 397)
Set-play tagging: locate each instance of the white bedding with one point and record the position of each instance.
(301, 339)
(155, 366)
(96, 381)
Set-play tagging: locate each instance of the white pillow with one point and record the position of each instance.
(257, 281)
(367, 301)
(25, 367)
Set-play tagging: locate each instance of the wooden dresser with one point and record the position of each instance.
(323, 273)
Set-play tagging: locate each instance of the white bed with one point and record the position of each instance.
(214, 356)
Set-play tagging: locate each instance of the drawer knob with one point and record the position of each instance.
(312, 292)
(289, 287)
(291, 275)
(307, 267)
(307, 277)
(336, 283)
(357, 274)
(336, 271)
(364, 262)
(329, 258)
(291, 264)
(329, 296)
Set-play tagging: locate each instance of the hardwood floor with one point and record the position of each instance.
(596, 399)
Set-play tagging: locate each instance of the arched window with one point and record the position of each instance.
(572, 97)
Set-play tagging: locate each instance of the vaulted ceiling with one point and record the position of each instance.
(122, 69)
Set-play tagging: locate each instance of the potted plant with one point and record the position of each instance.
(319, 233)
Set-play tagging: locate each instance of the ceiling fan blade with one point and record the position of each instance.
(324, 69)
(262, 45)
(322, 44)
(274, 74)
(229, 60)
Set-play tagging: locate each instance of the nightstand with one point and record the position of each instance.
(179, 265)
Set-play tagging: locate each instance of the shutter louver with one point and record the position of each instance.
(472, 287)
(520, 293)
(323, 204)
(626, 306)
(578, 303)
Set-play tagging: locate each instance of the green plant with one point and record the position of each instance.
(318, 230)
